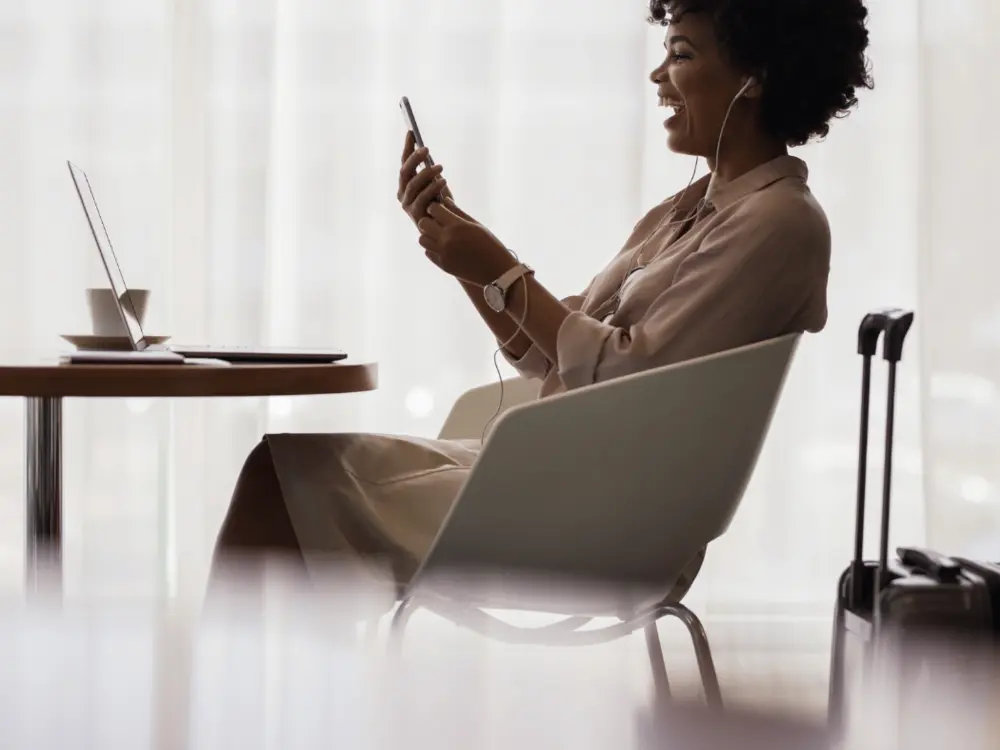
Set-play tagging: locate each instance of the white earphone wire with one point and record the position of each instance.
(702, 202)
(718, 152)
(504, 345)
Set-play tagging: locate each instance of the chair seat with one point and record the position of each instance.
(569, 631)
(542, 594)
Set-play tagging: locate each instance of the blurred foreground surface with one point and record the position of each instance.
(301, 667)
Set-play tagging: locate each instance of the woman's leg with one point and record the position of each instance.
(410, 483)
(257, 525)
(258, 542)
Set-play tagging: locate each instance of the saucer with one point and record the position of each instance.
(88, 342)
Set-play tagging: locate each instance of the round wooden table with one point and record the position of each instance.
(45, 386)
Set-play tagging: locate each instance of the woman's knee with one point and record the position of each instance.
(258, 479)
(257, 516)
(259, 461)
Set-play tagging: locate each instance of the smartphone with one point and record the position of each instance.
(411, 123)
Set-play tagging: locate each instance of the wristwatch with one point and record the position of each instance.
(496, 293)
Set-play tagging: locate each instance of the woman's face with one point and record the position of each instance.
(698, 85)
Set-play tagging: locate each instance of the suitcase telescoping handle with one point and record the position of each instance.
(893, 324)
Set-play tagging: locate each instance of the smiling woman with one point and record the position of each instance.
(806, 59)
(736, 258)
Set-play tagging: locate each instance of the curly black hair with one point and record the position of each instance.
(810, 55)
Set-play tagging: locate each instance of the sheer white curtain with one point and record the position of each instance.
(244, 153)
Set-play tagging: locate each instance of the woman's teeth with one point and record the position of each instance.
(670, 104)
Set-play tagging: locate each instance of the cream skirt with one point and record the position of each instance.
(378, 496)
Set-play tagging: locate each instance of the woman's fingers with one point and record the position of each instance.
(409, 169)
(429, 227)
(429, 244)
(408, 145)
(449, 203)
(414, 160)
(419, 183)
(405, 172)
(434, 258)
(427, 196)
(443, 214)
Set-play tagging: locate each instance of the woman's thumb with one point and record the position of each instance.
(451, 206)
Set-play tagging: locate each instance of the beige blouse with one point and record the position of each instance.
(753, 266)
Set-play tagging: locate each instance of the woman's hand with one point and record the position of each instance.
(417, 190)
(461, 246)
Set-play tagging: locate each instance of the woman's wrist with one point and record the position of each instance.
(498, 265)
(538, 314)
(518, 348)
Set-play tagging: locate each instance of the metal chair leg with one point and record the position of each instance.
(835, 704)
(702, 651)
(400, 619)
(661, 683)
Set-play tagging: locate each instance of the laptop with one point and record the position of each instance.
(246, 354)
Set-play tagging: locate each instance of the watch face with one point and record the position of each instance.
(495, 298)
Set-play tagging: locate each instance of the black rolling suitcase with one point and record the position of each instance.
(917, 593)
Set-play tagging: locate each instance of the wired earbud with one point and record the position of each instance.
(751, 82)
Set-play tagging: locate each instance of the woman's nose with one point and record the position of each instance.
(660, 73)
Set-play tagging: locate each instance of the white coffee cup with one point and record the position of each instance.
(105, 319)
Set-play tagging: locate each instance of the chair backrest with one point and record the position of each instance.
(474, 409)
(624, 481)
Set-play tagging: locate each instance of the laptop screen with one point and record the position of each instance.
(107, 254)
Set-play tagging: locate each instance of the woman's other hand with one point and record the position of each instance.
(418, 190)
(461, 246)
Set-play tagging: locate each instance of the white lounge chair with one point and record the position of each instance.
(623, 483)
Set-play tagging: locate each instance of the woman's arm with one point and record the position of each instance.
(543, 317)
(748, 281)
(464, 248)
(504, 327)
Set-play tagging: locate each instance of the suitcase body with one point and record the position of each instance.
(890, 608)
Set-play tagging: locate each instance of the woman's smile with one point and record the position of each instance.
(673, 122)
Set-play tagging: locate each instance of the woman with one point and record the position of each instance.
(737, 257)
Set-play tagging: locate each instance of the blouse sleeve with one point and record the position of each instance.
(534, 364)
(747, 281)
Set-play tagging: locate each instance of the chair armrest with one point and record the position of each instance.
(475, 408)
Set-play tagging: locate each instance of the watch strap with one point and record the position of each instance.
(506, 281)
